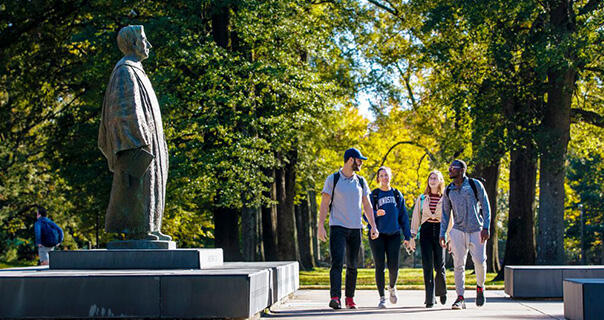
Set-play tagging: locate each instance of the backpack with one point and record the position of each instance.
(336, 177)
(375, 193)
(50, 233)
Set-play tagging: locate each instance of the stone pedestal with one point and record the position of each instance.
(141, 244)
(136, 259)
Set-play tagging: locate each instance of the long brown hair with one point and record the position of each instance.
(441, 185)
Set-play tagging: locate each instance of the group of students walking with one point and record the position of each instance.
(454, 217)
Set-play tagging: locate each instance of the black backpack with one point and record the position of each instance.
(336, 177)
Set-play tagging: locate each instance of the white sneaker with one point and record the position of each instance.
(382, 303)
(393, 297)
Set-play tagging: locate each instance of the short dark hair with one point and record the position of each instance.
(41, 210)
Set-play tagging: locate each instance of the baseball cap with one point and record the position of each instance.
(354, 153)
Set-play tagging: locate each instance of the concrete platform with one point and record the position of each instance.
(312, 304)
(284, 276)
(141, 244)
(544, 281)
(583, 299)
(240, 293)
(136, 259)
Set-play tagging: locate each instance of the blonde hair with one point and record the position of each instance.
(388, 171)
(441, 185)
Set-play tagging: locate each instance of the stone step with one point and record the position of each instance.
(284, 276)
(136, 259)
(227, 293)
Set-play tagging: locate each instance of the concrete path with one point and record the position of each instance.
(312, 304)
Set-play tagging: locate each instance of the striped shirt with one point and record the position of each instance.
(434, 199)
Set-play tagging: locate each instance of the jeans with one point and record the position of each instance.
(343, 240)
(386, 245)
(432, 259)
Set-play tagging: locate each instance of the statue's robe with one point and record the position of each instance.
(131, 137)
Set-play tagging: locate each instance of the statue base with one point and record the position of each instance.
(141, 244)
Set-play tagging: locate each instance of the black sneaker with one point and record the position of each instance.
(460, 303)
(335, 303)
(443, 299)
(479, 296)
(429, 305)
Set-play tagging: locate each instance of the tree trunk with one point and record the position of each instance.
(286, 229)
(520, 244)
(259, 242)
(554, 138)
(220, 25)
(249, 233)
(303, 230)
(269, 224)
(554, 142)
(226, 233)
(490, 173)
(312, 197)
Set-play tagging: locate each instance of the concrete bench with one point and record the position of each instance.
(583, 299)
(544, 281)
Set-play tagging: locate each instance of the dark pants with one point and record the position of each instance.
(343, 240)
(385, 246)
(432, 259)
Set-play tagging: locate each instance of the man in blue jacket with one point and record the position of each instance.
(48, 235)
(467, 199)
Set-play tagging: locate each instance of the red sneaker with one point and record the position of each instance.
(350, 303)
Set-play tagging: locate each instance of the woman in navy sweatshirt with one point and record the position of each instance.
(390, 217)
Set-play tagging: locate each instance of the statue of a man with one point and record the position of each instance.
(131, 137)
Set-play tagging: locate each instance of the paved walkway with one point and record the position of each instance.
(312, 304)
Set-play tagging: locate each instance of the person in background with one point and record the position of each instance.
(47, 235)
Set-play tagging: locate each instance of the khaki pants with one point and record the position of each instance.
(461, 242)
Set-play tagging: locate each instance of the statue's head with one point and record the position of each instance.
(132, 41)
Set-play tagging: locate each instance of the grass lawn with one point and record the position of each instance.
(4, 264)
(408, 279)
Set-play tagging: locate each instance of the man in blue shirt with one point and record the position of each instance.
(467, 199)
(345, 195)
(47, 235)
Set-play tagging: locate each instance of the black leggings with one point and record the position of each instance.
(386, 245)
(432, 261)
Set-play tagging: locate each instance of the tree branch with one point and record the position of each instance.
(406, 78)
(391, 10)
(594, 69)
(580, 115)
(413, 143)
